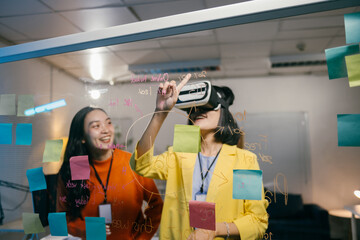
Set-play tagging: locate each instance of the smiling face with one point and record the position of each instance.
(98, 129)
(206, 120)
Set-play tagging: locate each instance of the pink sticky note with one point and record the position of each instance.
(202, 215)
(79, 166)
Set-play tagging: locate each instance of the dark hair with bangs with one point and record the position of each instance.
(225, 131)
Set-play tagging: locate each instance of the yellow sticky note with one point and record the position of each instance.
(353, 69)
(187, 138)
(24, 102)
(7, 104)
(52, 152)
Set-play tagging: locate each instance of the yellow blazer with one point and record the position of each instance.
(250, 216)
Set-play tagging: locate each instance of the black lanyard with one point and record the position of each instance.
(204, 177)
(108, 176)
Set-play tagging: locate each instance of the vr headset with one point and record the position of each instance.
(200, 95)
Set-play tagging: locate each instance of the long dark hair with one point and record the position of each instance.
(227, 131)
(75, 147)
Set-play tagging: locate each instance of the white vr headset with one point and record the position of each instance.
(200, 95)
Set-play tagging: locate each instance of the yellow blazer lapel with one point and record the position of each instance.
(187, 163)
(222, 175)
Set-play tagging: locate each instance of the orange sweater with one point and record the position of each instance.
(126, 193)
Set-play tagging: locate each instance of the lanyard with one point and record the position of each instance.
(204, 177)
(107, 180)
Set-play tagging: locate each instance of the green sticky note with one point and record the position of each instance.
(52, 152)
(24, 102)
(353, 69)
(7, 104)
(348, 130)
(32, 223)
(187, 138)
(335, 59)
(352, 27)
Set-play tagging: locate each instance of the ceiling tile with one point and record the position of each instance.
(190, 41)
(141, 45)
(310, 33)
(308, 23)
(339, 12)
(248, 32)
(105, 58)
(245, 73)
(193, 53)
(217, 3)
(62, 61)
(78, 4)
(253, 49)
(143, 56)
(248, 63)
(21, 7)
(317, 45)
(40, 26)
(11, 35)
(93, 19)
(162, 9)
(138, 2)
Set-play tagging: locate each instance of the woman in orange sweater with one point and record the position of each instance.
(111, 182)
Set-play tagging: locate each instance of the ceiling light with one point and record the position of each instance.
(96, 93)
(357, 193)
(96, 66)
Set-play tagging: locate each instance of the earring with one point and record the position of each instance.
(82, 141)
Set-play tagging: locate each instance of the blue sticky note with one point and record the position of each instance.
(57, 224)
(95, 228)
(335, 59)
(352, 27)
(247, 184)
(348, 130)
(36, 179)
(23, 133)
(6, 133)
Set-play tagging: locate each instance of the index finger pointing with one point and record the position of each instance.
(183, 82)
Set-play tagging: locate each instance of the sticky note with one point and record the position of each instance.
(95, 228)
(202, 215)
(352, 29)
(36, 179)
(247, 184)
(7, 104)
(79, 167)
(348, 130)
(32, 223)
(187, 138)
(57, 224)
(24, 102)
(335, 59)
(52, 152)
(23, 133)
(5, 133)
(353, 69)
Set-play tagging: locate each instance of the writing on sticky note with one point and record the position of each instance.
(202, 215)
(335, 60)
(353, 69)
(80, 168)
(6, 133)
(7, 104)
(23, 133)
(348, 130)
(36, 179)
(24, 102)
(95, 228)
(52, 152)
(247, 184)
(32, 223)
(352, 30)
(187, 138)
(57, 224)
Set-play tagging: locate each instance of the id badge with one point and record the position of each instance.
(200, 197)
(105, 212)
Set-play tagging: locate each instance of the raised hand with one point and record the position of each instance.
(168, 94)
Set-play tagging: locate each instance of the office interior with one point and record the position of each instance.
(275, 65)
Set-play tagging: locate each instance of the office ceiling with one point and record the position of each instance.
(243, 50)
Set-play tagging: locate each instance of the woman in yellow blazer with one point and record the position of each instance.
(235, 219)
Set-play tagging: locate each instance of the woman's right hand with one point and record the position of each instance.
(168, 94)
